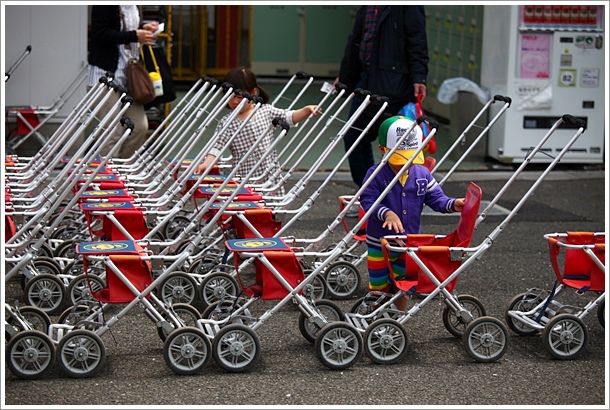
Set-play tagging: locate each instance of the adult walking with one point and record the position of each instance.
(386, 54)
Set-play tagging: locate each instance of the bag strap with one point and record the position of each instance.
(153, 58)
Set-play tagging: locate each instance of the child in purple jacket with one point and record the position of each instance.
(399, 213)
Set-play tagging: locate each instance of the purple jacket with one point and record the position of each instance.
(408, 202)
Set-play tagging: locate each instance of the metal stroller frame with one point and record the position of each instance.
(47, 112)
(578, 260)
(484, 338)
(343, 280)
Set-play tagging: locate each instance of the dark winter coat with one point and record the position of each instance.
(399, 55)
(106, 35)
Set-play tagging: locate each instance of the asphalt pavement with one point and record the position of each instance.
(437, 371)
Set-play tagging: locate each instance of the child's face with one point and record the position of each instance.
(234, 101)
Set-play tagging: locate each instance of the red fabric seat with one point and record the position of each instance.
(579, 271)
(127, 256)
(435, 252)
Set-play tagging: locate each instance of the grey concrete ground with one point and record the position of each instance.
(436, 372)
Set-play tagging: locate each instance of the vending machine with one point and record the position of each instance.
(550, 60)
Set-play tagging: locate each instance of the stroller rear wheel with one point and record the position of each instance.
(81, 353)
(179, 287)
(485, 339)
(36, 318)
(523, 302)
(46, 292)
(328, 311)
(79, 291)
(601, 315)
(317, 289)
(565, 336)
(187, 350)
(338, 346)
(236, 348)
(386, 341)
(216, 286)
(455, 324)
(342, 279)
(187, 314)
(29, 354)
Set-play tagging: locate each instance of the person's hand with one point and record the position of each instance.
(458, 205)
(151, 26)
(200, 169)
(393, 222)
(420, 89)
(313, 109)
(146, 37)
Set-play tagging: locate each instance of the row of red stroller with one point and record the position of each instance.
(105, 231)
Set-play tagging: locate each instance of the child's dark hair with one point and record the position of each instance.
(244, 79)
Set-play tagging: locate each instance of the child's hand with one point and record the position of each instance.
(200, 169)
(458, 205)
(300, 114)
(313, 109)
(393, 222)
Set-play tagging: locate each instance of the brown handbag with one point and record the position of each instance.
(139, 84)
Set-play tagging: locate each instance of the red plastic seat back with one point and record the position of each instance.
(263, 220)
(287, 265)
(136, 270)
(579, 269)
(434, 252)
(468, 218)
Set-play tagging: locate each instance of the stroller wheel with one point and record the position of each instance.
(81, 353)
(328, 312)
(216, 286)
(68, 232)
(203, 265)
(485, 339)
(29, 354)
(316, 289)
(565, 336)
(386, 341)
(178, 287)
(36, 318)
(187, 350)
(45, 264)
(174, 227)
(342, 279)
(66, 249)
(187, 314)
(236, 348)
(75, 314)
(523, 302)
(79, 289)
(46, 292)
(338, 346)
(601, 315)
(456, 324)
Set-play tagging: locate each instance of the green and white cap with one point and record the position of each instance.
(392, 130)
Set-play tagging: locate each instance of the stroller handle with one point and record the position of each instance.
(498, 97)
(576, 121)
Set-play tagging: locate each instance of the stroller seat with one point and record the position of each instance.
(125, 212)
(127, 257)
(435, 251)
(279, 255)
(579, 269)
